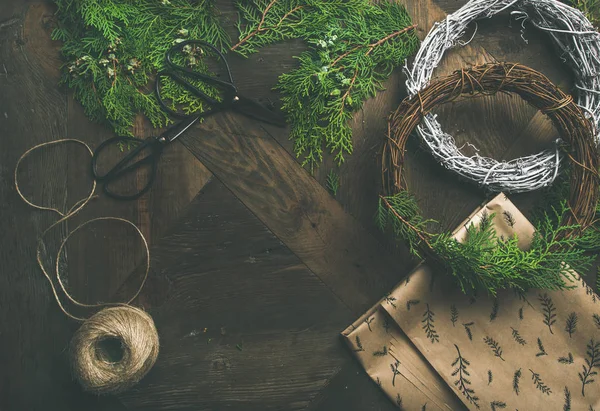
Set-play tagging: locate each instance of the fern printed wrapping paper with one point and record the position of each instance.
(535, 351)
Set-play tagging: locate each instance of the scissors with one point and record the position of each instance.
(230, 100)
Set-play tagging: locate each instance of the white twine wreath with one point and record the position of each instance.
(578, 43)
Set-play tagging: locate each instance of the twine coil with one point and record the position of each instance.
(131, 327)
(578, 44)
(575, 129)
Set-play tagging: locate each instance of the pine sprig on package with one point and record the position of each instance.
(483, 262)
(353, 47)
(113, 47)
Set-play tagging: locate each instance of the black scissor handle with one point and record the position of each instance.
(126, 165)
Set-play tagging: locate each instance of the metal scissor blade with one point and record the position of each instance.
(255, 110)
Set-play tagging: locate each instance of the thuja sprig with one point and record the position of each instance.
(353, 47)
(482, 261)
(112, 48)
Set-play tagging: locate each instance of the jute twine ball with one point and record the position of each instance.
(92, 365)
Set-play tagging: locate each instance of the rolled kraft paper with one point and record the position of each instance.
(136, 333)
(527, 352)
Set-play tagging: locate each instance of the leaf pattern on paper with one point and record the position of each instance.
(541, 348)
(539, 384)
(390, 300)
(548, 310)
(495, 307)
(517, 336)
(490, 377)
(521, 313)
(468, 329)
(368, 321)
(428, 325)
(596, 318)
(567, 406)
(494, 346)
(410, 303)
(508, 217)
(463, 383)
(592, 361)
(453, 314)
(566, 360)
(516, 381)
(571, 324)
(399, 401)
(395, 371)
(358, 345)
(495, 405)
(386, 324)
(381, 353)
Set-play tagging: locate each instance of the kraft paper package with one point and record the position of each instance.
(428, 346)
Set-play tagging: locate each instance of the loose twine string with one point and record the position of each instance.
(578, 43)
(132, 327)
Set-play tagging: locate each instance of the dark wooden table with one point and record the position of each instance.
(255, 267)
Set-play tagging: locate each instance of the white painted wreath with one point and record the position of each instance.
(578, 43)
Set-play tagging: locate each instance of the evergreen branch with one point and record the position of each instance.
(497, 404)
(462, 382)
(453, 314)
(567, 406)
(542, 351)
(386, 325)
(495, 307)
(382, 353)
(548, 310)
(410, 303)
(566, 360)
(390, 300)
(333, 182)
(539, 384)
(571, 324)
(468, 330)
(399, 401)
(596, 318)
(394, 366)
(494, 346)
(368, 321)
(358, 345)
(592, 361)
(516, 380)
(259, 29)
(517, 336)
(428, 325)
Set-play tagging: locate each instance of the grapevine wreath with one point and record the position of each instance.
(578, 44)
(483, 261)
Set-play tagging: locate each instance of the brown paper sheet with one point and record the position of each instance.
(428, 345)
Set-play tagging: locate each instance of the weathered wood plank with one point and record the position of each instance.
(243, 323)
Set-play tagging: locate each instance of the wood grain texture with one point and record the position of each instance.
(244, 324)
(260, 254)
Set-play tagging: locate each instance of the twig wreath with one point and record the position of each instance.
(483, 261)
(578, 43)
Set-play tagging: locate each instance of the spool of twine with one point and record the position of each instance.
(94, 368)
(117, 346)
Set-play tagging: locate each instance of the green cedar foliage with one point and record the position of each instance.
(353, 47)
(483, 262)
(591, 9)
(112, 48)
